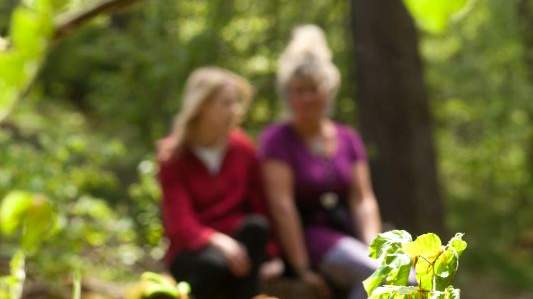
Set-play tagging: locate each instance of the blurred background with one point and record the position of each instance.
(440, 90)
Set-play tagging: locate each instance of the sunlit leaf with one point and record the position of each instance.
(399, 292)
(30, 31)
(427, 246)
(388, 243)
(445, 268)
(457, 243)
(41, 222)
(394, 270)
(155, 285)
(13, 209)
(11, 285)
(31, 215)
(18, 272)
(376, 279)
(435, 267)
(452, 293)
(435, 15)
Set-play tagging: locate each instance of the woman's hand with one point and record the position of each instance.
(317, 282)
(271, 269)
(235, 254)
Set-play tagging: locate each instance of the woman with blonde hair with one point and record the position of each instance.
(212, 204)
(316, 174)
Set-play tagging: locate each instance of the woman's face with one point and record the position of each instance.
(307, 101)
(222, 111)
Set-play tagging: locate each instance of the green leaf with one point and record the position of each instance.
(435, 266)
(424, 274)
(458, 243)
(436, 295)
(396, 292)
(445, 268)
(153, 277)
(401, 265)
(388, 243)
(424, 250)
(427, 246)
(32, 215)
(156, 285)
(376, 279)
(15, 280)
(41, 223)
(449, 293)
(447, 263)
(452, 293)
(12, 73)
(183, 288)
(12, 210)
(30, 31)
(12, 79)
(435, 15)
(153, 290)
(403, 292)
(16, 265)
(394, 270)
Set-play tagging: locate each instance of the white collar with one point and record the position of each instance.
(211, 157)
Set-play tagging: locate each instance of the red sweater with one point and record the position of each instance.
(197, 203)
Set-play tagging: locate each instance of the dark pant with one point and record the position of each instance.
(207, 271)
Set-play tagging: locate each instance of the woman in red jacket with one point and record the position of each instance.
(212, 198)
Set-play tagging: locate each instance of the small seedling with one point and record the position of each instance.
(157, 286)
(435, 266)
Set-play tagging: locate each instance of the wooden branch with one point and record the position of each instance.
(67, 24)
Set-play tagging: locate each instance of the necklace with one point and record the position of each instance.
(318, 146)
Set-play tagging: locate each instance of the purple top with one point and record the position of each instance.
(316, 180)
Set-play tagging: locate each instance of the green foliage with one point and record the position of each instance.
(32, 215)
(146, 195)
(153, 285)
(130, 67)
(435, 266)
(30, 31)
(435, 15)
(478, 82)
(79, 171)
(32, 219)
(403, 292)
(85, 135)
(388, 243)
(11, 285)
(395, 265)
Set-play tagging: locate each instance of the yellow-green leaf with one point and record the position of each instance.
(457, 243)
(41, 222)
(435, 15)
(13, 209)
(427, 246)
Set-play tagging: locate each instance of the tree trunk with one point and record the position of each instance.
(394, 115)
(525, 14)
(524, 11)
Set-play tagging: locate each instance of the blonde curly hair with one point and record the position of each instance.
(308, 57)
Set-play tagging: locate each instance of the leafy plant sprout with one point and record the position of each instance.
(434, 264)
